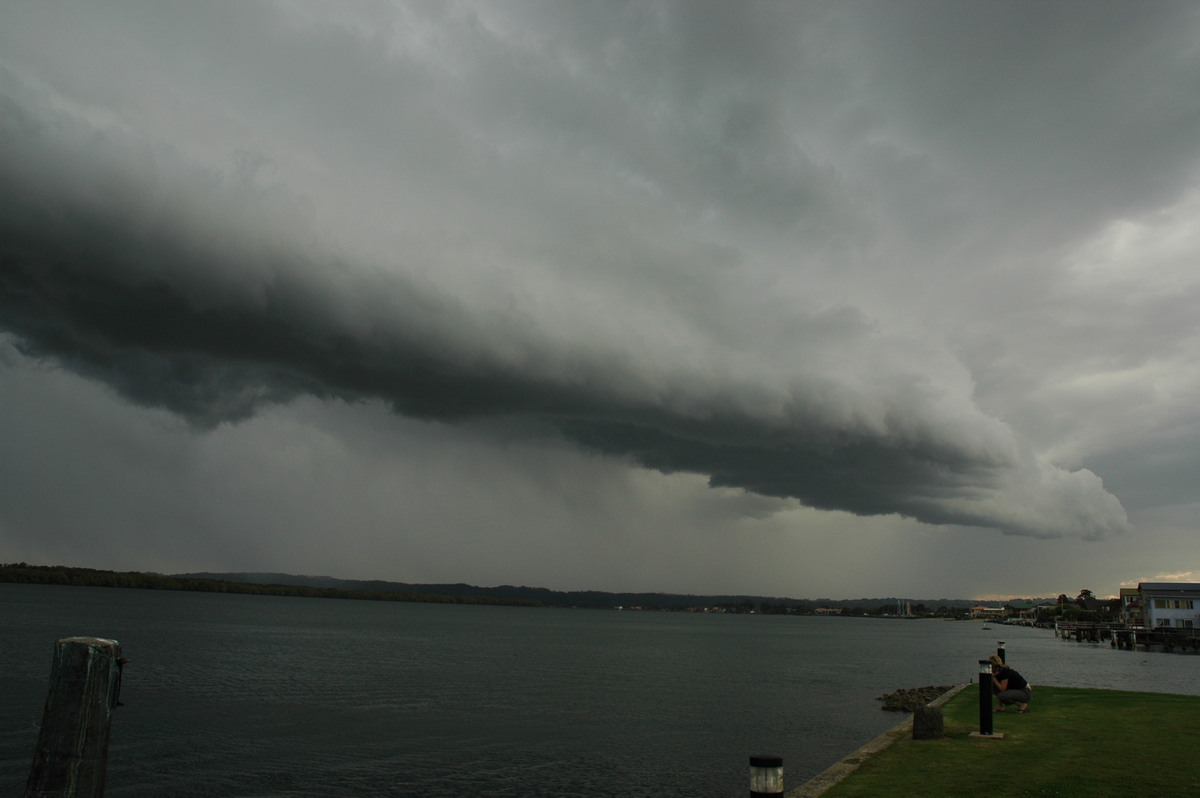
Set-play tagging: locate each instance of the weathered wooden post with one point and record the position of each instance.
(766, 775)
(72, 748)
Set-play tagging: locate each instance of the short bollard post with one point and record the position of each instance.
(928, 723)
(1000, 651)
(985, 697)
(72, 748)
(766, 775)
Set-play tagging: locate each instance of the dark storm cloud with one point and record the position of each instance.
(212, 297)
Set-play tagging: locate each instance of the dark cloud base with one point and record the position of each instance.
(207, 308)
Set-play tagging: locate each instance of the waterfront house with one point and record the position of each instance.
(1131, 607)
(1170, 604)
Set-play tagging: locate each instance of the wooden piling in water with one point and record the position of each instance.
(1133, 638)
(72, 749)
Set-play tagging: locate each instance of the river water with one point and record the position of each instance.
(230, 695)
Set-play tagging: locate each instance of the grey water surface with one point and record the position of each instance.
(231, 695)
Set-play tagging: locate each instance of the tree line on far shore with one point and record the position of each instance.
(507, 595)
(1082, 608)
(89, 577)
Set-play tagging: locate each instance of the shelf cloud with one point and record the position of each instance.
(925, 267)
(211, 299)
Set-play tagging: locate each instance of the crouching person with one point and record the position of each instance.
(1010, 686)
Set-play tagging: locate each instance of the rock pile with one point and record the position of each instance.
(908, 700)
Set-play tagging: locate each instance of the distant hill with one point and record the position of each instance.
(579, 598)
(558, 598)
(23, 573)
(281, 584)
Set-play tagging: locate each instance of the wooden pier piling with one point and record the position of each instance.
(1132, 638)
(72, 749)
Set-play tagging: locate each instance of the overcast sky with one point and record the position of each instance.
(812, 299)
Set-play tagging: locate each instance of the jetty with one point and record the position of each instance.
(1131, 638)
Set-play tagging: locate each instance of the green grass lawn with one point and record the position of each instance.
(1074, 742)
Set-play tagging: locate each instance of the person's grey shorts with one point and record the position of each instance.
(1021, 696)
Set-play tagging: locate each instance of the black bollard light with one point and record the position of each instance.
(985, 697)
(766, 775)
(1000, 651)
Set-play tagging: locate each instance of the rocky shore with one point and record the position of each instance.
(907, 700)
